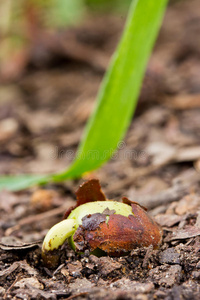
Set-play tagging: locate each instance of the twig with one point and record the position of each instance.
(77, 295)
(147, 256)
(8, 290)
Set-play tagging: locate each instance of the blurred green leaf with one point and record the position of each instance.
(64, 12)
(118, 93)
(20, 182)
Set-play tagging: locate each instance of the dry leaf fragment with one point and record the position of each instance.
(89, 191)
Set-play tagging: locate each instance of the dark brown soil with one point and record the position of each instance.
(42, 116)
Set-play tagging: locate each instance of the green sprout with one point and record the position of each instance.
(57, 235)
(102, 227)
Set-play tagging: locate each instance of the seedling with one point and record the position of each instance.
(101, 226)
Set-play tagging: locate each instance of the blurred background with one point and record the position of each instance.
(29, 27)
(53, 55)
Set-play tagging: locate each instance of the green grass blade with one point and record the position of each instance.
(117, 97)
(119, 91)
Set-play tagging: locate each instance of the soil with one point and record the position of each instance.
(42, 116)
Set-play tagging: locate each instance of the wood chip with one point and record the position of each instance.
(167, 220)
(182, 234)
(10, 270)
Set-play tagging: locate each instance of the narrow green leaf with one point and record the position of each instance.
(117, 97)
(20, 182)
(119, 91)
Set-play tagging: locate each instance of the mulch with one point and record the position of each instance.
(42, 117)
